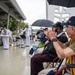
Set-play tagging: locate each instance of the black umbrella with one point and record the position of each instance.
(42, 23)
(65, 3)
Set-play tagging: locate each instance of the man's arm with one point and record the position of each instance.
(62, 44)
(61, 50)
(62, 53)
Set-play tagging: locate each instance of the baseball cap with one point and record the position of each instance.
(45, 29)
(58, 24)
(71, 21)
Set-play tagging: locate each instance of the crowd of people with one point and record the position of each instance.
(49, 54)
(7, 37)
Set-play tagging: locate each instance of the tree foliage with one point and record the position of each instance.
(13, 25)
(23, 25)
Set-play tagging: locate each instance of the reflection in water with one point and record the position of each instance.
(15, 61)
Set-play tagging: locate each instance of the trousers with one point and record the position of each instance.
(37, 62)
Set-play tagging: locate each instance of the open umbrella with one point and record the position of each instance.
(43, 23)
(65, 3)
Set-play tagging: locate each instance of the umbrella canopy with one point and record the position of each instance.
(43, 23)
(65, 3)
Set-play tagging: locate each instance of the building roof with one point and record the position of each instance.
(12, 7)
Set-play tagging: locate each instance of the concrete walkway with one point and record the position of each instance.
(15, 61)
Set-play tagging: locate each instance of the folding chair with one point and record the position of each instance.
(16, 41)
(69, 67)
(22, 40)
(53, 67)
(22, 36)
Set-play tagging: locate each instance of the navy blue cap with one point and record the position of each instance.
(58, 24)
(71, 21)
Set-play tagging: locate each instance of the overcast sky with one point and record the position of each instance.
(33, 9)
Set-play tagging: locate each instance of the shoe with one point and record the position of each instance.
(27, 46)
(5, 48)
(21, 46)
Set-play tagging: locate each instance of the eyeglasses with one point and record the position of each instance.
(68, 26)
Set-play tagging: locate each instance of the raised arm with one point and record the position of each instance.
(61, 49)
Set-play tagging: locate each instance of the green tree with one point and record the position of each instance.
(13, 25)
(23, 25)
(5, 23)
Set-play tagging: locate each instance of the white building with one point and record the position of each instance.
(58, 13)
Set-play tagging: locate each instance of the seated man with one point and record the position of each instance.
(38, 59)
(43, 38)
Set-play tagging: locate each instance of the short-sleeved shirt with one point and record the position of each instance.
(71, 46)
